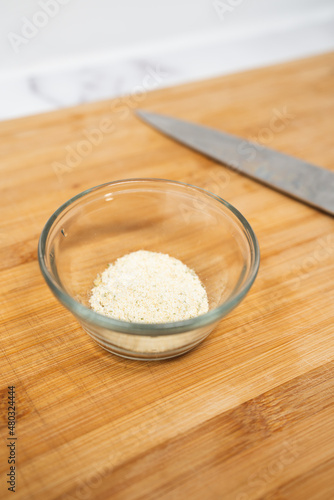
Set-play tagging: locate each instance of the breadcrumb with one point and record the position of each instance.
(149, 287)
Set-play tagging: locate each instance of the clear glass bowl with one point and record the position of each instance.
(105, 222)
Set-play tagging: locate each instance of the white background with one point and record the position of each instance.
(95, 49)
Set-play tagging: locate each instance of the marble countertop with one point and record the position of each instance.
(104, 75)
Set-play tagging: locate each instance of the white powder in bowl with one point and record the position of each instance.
(149, 287)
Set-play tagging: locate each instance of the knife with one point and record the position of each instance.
(297, 178)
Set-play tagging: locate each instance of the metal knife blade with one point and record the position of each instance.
(297, 178)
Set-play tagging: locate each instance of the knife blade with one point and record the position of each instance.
(299, 179)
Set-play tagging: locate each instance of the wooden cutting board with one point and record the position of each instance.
(248, 414)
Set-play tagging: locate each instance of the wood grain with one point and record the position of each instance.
(249, 414)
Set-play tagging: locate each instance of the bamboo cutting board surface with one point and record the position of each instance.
(249, 413)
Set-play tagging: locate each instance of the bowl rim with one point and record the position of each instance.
(84, 313)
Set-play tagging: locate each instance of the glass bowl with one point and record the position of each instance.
(105, 222)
